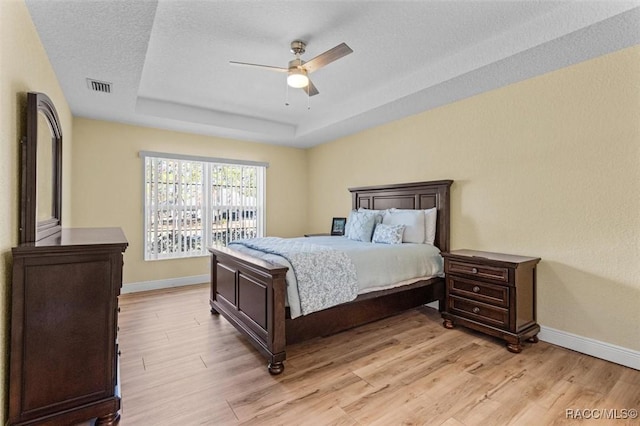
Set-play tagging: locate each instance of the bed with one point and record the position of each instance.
(251, 293)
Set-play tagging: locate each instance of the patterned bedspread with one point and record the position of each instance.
(326, 277)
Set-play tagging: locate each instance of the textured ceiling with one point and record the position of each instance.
(168, 60)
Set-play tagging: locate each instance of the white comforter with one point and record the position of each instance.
(378, 266)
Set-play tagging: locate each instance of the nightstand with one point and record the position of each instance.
(492, 293)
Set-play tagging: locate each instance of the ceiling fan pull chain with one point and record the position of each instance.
(308, 98)
(286, 96)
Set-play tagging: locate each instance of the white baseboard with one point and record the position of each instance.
(160, 284)
(596, 348)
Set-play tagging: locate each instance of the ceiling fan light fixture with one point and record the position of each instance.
(298, 69)
(298, 78)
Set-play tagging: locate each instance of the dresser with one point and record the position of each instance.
(493, 293)
(64, 312)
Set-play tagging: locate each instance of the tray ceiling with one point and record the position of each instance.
(168, 60)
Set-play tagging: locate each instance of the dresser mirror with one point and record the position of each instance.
(41, 178)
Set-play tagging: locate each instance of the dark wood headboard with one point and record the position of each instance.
(415, 196)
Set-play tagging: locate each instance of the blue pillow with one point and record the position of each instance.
(362, 224)
(348, 224)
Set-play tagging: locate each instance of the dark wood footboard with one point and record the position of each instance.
(250, 294)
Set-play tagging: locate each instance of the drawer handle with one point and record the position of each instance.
(474, 270)
(476, 310)
(476, 289)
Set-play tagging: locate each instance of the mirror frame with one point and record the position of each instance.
(32, 230)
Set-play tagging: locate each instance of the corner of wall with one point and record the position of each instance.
(25, 67)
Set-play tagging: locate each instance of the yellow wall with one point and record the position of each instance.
(547, 167)
(24, 66)
(108, 186)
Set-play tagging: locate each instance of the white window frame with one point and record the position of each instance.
(231, 203)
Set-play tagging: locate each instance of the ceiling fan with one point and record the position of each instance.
(298, 70)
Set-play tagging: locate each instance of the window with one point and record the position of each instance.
(192, 203)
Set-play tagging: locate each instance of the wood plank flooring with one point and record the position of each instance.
(180, 365)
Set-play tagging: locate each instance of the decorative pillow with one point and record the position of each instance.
(388, 234)
(413, 220)
(362, 224)
(430, 216)
(381, 213)
(348, 224)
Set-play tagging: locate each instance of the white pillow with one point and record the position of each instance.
(413, 220)
(430, 216)
(388, 234)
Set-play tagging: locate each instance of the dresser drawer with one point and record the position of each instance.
(489, 293)
(487, 314)
(478, 270)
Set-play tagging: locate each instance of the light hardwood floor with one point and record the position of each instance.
(180, 365)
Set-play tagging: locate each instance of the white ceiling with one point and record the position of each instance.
(168, 60)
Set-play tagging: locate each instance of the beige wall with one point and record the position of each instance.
(108, 186)
(24, 67)
(546, 167)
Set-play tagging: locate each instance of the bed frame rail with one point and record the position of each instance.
(364, 309)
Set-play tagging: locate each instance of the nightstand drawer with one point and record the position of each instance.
(478, 270)
(489, 293)
(487, 314)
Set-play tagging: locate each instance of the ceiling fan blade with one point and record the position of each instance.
(267, 67)
(327, 57)
(310, 89)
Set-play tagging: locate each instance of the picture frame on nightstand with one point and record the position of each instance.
(338, 225)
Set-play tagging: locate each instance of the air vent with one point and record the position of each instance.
(99, 86)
